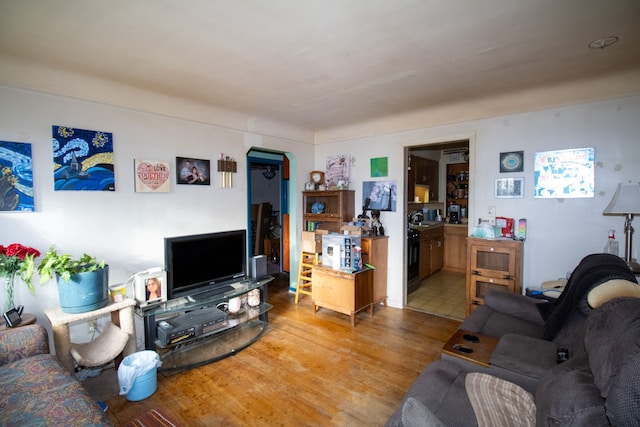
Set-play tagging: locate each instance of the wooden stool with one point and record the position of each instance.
(307, 261)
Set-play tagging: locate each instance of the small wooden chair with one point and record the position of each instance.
(307, 261)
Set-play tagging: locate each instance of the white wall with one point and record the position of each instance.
(123, 227)
(560, 231)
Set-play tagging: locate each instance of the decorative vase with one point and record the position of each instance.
(84, 291)
(8, 286)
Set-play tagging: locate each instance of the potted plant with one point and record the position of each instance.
(17, 259)
(82, 282)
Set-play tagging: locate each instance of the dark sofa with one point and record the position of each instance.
(35, 389)
(599, 385)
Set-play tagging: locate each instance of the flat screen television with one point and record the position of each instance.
(201, 263)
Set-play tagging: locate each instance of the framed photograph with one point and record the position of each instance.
(379, 195)
(151, 176)
(509, 188)
(150, 287)
(512, 161)
(191, 171)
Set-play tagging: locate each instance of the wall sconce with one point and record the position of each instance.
(226, 168)
(626, 201)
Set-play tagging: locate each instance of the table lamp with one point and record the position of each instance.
(626, 201)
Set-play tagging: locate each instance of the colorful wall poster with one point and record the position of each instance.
(83, 159)
(16, 177)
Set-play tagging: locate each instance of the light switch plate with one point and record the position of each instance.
(492, 215)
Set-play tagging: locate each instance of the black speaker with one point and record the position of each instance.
(258, 267)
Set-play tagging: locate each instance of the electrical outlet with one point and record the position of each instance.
(492, 212)
(92, 326)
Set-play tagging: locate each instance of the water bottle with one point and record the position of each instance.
(612, 244)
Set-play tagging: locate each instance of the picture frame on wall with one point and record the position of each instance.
(512, 161)
(192, 171)
(16, 177)
(509, 188)
(151, 176)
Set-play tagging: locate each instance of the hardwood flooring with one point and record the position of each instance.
(307, 370)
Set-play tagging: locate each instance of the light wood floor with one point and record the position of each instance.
(442, 294)
(307, 370)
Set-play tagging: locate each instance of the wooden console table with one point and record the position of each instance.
(121, 316)
(346, 293)
(476, 350)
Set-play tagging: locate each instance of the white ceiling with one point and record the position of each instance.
(325, 63)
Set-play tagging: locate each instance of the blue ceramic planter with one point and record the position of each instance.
(84, 291)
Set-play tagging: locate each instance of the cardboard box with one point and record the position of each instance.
(312, 241)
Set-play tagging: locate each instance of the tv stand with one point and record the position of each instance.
(241, 330)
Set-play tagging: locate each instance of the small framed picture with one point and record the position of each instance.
(191, 171)
(150, 288)
(512, 161)
(509, 188)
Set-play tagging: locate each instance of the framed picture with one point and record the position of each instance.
(191, 171)
(151, 176)
(379, 195)
(512, 161)
(509, 188)
(150, 287)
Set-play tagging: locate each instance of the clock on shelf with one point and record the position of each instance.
(317, 178)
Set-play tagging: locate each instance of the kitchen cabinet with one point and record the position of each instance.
(455, 248)
(339, 207)
(493, 264)
(423, 172)
(431, 250)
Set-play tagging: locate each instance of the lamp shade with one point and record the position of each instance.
(625, 201)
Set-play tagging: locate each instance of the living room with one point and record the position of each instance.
(127, 228)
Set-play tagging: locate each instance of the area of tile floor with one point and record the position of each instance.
(442, 294)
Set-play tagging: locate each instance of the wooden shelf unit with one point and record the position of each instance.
(492, 264)
(431, 251)
(457, 185)
(423, 172)
(339, 207)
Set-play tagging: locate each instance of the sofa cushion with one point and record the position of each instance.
(497, 402)
(612, 338)
(623, 402)
(37, 391)
(566, 395)
(528, 356)
(612, 289)
(415, 414)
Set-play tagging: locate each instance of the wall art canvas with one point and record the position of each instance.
(564, 173)
(512, 161)
(191, 171)
(379, 195)
(151, 176)
(338, 171)
(82, 159)
(509, 188)
(16, 177)
(379, 167)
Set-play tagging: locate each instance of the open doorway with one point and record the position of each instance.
(267, 189)
(437, 184)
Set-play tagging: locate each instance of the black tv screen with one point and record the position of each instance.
(199, 263)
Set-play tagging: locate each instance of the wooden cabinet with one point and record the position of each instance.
(346, 293)
(431, 251)
(375, 252)
(458, 185)
(423, 172)
(493, 264)
(339, 207)
(455, 248)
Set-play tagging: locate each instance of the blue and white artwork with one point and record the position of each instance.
(83, 159)
(16, 177)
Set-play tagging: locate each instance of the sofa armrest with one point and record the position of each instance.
(22, 342)
(516, 305)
